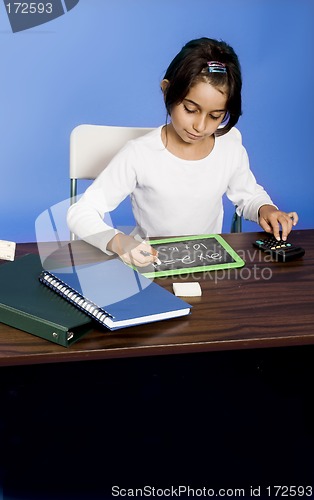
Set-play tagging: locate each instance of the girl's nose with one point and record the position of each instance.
(199, 124)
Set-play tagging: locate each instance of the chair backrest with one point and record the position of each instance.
(93, 146)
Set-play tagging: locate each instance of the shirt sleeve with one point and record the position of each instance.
(243, 190)
(112, 186)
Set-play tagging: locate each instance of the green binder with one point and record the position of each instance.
(28, 305)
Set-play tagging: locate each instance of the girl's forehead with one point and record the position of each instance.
(203, 93)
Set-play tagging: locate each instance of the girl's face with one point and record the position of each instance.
(200, 113)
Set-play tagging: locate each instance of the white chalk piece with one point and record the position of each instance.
(187, 289)
(7, 250)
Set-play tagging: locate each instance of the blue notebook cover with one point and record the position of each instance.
(114, 294)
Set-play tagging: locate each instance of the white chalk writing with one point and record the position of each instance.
(188, 254)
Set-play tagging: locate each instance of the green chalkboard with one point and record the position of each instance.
(192, 254)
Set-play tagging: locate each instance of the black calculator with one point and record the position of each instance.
(281, 250)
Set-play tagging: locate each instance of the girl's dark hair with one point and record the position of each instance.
(190, 66)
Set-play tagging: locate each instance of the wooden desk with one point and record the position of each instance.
(264, 304)
(213, 414)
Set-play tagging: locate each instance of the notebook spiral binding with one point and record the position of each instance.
(71, 295)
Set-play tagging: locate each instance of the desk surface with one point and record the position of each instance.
(264, 304)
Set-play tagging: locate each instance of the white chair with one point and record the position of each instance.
(91, 149)
(93, 146)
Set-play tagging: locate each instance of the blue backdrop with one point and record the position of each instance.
(102, 63)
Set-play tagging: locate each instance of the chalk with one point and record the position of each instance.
(192, 289)
(7, 250)
(143, 252)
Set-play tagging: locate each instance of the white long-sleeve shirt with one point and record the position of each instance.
(170, 196)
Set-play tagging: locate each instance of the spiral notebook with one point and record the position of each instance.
(114, 294)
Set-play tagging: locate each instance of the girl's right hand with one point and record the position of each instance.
(131, 251)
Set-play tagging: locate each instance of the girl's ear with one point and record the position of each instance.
(164, 86)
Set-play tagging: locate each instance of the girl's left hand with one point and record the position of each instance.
(270, 219)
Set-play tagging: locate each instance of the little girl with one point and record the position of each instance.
(177, 174)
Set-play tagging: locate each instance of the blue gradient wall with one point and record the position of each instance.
(102, 63)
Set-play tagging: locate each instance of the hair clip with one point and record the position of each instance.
(216, 67)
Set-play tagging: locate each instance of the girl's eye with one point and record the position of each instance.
(215, 117)
(189, 110)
